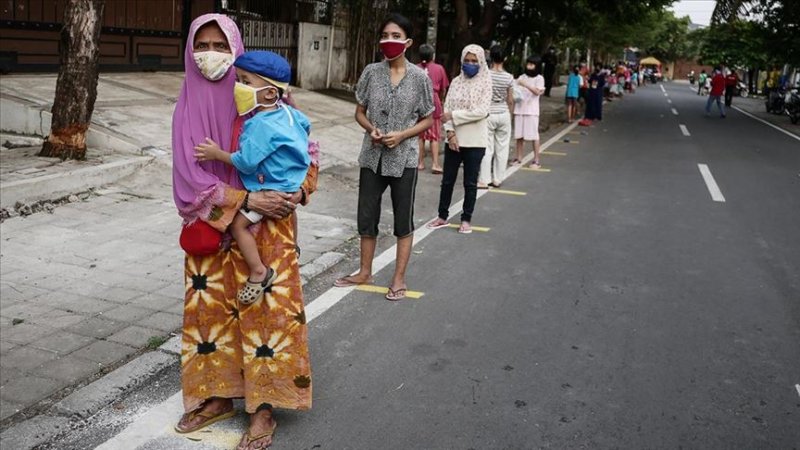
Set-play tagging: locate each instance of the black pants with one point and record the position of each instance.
(471, 157)
(370, 191)
(729, 90)
(548, 83)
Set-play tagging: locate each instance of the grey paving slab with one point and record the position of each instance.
(6, 346)
(162, 321)
(62, 342)
(69, 369)
(25, 311)
(136, 336)
(12, 292)
(27, 358)
(57, 318)
(77, 303)
(8, 373)
(155, 301)
(104, 352)
(30, 389)
(8, 409)
(97, 327)
(31, 433)
(126, 313)
(23, 333)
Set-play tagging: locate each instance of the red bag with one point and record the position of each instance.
(200, 239)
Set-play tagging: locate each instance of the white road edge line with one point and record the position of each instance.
(786, 132)
(160, 419)
(669, 101)
(684, 130)
(711, 184)
(662, 88)
(674, 111)
(797, 386)
(666, 95)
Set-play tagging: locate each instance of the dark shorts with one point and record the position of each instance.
(570, 100)
(371, 187)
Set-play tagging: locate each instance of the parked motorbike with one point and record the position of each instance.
(691, 79)
(741, 89)
(792, 105)
(776, 103)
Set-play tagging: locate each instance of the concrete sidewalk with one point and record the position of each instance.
(97, 282)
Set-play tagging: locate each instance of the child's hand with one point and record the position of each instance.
(207, 151)
(376, 136)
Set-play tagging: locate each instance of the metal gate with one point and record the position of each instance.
(280, 38)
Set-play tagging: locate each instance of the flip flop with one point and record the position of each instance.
(210, 419)
(346, 282)
(395, 295)
(247, 439)
(483, 186)
(465, 229)
(436, 171)
(436, 227)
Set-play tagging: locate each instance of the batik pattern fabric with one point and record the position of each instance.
(258, 352)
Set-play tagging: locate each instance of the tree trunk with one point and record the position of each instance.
(76, 88)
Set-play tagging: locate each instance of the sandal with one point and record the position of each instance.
(535, 165)
(349, 282)
(247, 439)
(253, 290)
(483, 186)
(394, 295)
(436, 171)
(437, 223)
(516, 162)
(465, 228)
(210, 419)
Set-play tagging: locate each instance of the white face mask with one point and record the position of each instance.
(213, 65)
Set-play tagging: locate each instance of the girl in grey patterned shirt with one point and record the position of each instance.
(395, 103)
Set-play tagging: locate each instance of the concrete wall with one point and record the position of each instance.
(313, 48)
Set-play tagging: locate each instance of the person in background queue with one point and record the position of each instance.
(440, 83)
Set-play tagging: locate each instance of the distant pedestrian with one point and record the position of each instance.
(466, 110)
(594, 106)
(701, 82)
(395, 104)
(573, 89)
(717, 91)
(440, 84)
(583, 93)
(731, 85)
(549, 62)
(495, 160)
(526, 112)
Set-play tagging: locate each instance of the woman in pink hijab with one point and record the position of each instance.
(257, 352)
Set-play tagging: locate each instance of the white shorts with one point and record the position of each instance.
(526, 127)
(251, 215)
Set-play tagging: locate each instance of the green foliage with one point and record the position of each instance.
(156, 341)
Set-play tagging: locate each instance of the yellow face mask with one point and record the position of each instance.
(246, 98)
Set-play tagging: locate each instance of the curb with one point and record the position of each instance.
(58, 185)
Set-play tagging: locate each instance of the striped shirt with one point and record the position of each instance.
(501, 82)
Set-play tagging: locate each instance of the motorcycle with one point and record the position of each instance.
(776, 103)
(792, 105)
(741, 89)
(691, 79)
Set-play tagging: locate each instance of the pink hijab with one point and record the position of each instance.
(205, 109)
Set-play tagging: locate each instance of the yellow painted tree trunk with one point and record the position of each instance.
(76, 88)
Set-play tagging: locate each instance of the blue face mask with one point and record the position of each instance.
(470, 70)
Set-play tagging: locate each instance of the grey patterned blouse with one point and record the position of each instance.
(393, 108)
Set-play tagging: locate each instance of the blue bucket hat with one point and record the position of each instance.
(270, 66)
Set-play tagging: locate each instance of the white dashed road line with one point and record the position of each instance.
(684, 130)
(797, 386)
(674, 111)
(669, 101)
(711, 184)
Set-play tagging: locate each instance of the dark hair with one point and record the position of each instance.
(535, 60)
(399, 20)
(496, 54)
(575, 69)
(426, 52)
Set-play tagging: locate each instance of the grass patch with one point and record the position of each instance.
(156, 341)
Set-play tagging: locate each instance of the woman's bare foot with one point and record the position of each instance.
(259, 434)
(353, 280)
(212, 408)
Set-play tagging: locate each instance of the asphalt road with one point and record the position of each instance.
(615, 305)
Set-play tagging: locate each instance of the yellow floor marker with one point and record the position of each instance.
(533, 169)
(474, 228)
(503, 191)
(572, 142)
(553, 153)
(384, 290)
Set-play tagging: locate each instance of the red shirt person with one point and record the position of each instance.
(717, 84)
(731, 83)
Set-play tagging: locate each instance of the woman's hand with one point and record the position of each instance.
(393, 138)
(208, 151)
(376, 136)
(447, 117)
(452, 141)
(272, 204)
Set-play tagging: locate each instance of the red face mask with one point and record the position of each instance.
(392, 49)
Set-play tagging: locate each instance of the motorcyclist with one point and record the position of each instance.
(702, 82)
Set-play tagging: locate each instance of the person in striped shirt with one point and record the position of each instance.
(493, 165)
